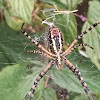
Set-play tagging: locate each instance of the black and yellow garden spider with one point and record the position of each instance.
(57, 55)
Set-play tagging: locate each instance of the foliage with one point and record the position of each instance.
(94, 36)
(18, 69)
(18, 11)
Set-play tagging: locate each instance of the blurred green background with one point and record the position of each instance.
(19, 69)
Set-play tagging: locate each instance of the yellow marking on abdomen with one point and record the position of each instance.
(54, 44)
(60, 42)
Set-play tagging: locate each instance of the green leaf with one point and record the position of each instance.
(13, 46)
(72, 5)
(93, 37)
(12, 82)
(69, 4)
(67, 80)
(46, 94)
(82, 97)
(98, 97)
(67, 25)
(19, 11)
(15, 82)
(1, 4)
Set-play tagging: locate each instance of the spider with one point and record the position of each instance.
(57, 55)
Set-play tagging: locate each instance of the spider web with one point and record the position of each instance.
(14, 44)
(22, 44)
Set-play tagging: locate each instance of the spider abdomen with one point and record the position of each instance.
(55, 40)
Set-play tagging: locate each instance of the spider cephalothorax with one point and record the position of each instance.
(57, 55)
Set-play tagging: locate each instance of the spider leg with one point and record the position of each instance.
(78, 45)
(75, 70)
(33, 51)
(82, 45)
(34, 41)
(80, 36)
(32, 90)
(39, 52)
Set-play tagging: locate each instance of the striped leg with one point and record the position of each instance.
(80, 36)
(82, 45)
(34, 41)
(78, 45)
(34, 51)
(78, 74)
(32, 90)
(39, 52)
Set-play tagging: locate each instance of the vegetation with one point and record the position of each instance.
(19, 69)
